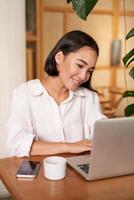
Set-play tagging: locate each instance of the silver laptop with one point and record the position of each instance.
(112, 152)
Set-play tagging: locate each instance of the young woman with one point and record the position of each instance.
(57, 114)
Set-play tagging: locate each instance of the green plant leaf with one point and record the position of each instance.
(131, 73)
(68, 1)
(130, 34)
(126, 59)
(129, 110)
(128, 94)
(130, 61)
(83, 7)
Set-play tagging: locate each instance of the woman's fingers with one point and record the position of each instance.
(81, 146)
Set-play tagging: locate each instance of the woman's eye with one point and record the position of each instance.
(80, 66)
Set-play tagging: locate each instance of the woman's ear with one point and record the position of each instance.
(59, 57)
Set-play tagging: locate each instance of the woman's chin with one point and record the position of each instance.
(73, 88)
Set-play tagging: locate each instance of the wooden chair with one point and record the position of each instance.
(109, 101)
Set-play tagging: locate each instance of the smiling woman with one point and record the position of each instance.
(57, 114)
(76, 67)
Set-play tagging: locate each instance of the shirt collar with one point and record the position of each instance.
(37, 89)
(80, 92)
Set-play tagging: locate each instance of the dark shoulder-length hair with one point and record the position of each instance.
(70, 42)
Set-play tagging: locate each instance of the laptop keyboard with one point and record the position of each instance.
(84, 167)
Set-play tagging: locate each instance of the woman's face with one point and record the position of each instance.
(76, 67)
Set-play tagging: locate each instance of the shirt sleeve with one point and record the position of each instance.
(19, 129)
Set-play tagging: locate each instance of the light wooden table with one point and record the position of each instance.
(73, 187)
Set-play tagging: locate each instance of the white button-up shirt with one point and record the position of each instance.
(34, 114)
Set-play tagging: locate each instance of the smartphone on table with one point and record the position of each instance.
(28, 169)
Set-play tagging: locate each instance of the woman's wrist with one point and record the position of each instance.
(67, 147)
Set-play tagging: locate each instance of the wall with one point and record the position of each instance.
(12, 56)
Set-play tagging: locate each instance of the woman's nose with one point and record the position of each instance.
(83, 75)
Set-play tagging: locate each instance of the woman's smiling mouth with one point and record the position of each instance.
(76, 82)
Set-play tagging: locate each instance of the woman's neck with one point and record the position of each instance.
(55, 88)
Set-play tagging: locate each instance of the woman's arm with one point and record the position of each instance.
(19, 127)
(49, 148)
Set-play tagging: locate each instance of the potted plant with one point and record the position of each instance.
(127, 60)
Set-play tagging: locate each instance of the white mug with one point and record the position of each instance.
(54, 167)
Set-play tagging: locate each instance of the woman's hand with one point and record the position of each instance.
(79, 147)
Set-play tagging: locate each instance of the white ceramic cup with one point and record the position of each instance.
(54, 167)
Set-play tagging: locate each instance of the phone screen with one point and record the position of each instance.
(28, 169)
